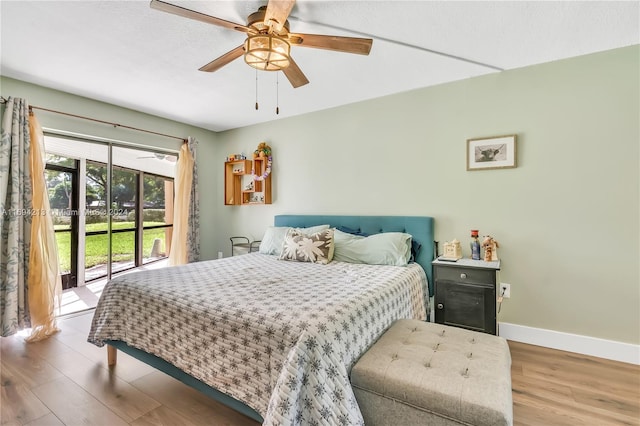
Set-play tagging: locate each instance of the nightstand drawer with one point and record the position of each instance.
(467, 275)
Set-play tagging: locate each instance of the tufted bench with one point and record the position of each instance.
(420, 373)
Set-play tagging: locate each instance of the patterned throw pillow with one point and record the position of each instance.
(301, 247)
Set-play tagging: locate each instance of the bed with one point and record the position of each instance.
(273, 339)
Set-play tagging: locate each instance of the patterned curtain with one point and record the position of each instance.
(29, 274)
(193, 231)
(185, 244)
(15, 217)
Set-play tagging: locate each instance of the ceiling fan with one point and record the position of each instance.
(268, 43)
(158, 156)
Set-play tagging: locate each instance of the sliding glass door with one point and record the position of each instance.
(96, 217)
(157, 216)
(124, 218)
(61, 175)
(116, 204)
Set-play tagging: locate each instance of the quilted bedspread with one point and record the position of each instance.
(279, 336)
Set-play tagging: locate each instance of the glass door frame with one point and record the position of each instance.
(70, 280)
(140, 214)
(139, 226)
(137, 232)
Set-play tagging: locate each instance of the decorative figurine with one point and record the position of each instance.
(263, 150)
(452, 250)
(490, 249)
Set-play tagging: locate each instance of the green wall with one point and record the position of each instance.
(566, 218)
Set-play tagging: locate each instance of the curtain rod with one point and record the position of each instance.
(4, 100)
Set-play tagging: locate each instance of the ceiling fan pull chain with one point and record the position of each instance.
(256, 89)
(277, 93)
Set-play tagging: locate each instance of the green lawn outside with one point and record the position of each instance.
(96, 245)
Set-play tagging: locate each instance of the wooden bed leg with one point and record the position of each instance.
(112, 355)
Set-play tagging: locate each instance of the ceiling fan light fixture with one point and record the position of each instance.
(267, 52)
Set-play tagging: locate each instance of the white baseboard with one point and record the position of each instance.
(608, 349)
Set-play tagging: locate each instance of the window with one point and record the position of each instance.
(126, 219)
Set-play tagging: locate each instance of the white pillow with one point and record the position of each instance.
(273, 237)
(345, 236)
(387, 248)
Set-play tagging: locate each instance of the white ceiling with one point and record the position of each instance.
(125, 53)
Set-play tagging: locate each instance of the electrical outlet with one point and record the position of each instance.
(220, 255)
(506, 288)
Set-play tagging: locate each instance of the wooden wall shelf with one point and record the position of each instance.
(237, 175)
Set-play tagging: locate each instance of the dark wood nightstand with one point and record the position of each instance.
(465, 294)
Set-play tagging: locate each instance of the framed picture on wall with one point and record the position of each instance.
(496, 152)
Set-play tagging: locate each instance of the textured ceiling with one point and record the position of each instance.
(125, 53)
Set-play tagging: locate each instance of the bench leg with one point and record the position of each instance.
(112, 355)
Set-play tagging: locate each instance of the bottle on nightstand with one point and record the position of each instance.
(475, 245)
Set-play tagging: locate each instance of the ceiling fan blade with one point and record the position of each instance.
(223, 60)
(361, 46)
(192, 14)
(295, 75)
(277, 13)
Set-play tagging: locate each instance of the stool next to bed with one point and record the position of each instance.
(420, 373)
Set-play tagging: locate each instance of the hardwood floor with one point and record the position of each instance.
(65, 381)
(562, 388)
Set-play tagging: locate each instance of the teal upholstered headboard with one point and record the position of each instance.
(420, 228)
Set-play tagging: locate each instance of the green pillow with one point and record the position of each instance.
(387, 248)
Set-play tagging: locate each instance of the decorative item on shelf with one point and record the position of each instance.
(262, 151)
(475, 245)
(249, 186)
(490, 249)
(266, 173)
(452, 250)
(236, 157)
